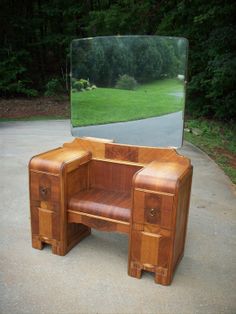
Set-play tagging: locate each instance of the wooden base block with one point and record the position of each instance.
(37, 243)
(58, 247)
(162, 276)
(135, 271)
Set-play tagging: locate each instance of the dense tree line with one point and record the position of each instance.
(145, 58)
(36, 34)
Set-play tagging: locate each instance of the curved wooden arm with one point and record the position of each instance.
(54, 161)
(161, 175)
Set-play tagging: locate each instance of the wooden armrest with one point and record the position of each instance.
(161, 175)
(59, 159)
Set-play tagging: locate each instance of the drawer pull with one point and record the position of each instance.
(153, 212)
(43, 191)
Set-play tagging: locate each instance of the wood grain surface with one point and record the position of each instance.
(141, 191)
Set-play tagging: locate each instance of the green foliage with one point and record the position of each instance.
(104, 59)
(147, 61)
(217, 140)
(84, 83)
(80, 85)
(53, 87)
(35, 38)
(126, 82)
(12, 74)
(210, 28)
(77, 85)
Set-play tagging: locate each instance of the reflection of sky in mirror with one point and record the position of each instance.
(128, 78)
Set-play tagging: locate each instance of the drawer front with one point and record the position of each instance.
(45, 223)
(145, 248)
(44, 187)
(153, 208)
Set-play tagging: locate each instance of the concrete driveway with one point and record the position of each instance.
(92, 278)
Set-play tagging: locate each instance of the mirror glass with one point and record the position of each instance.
(129, 88)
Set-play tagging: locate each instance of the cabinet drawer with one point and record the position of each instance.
(145, 247)
(44, 187)
(153, 208)
(45, 223)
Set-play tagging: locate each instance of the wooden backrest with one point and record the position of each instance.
(122, 152)
(112, 165)
(113, 176)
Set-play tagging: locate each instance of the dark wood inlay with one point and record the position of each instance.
(152, 213)
(126, 153)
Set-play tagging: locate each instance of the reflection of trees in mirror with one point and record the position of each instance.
(104, 59)
(134, 78)
(105, 105)
(126, 82)
(81, 85)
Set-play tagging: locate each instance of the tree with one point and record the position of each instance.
(35, 36)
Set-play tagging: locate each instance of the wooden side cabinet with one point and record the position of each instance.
(48, 192)
(159, 222)
(141, 191)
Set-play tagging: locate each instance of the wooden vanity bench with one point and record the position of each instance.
(141, 191)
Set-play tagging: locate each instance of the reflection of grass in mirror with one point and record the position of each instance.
(105, 105)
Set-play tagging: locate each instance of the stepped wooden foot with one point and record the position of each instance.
(37, 243)
(58, 248)
(76, 232)
(162, 277)
(134, 270)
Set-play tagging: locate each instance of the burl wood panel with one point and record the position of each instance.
(45, 187)
(142, 191)
(121, 152)
(145, 154)
(153, 208)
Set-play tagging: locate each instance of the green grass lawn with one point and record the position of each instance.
(217, 139)
(105, 105)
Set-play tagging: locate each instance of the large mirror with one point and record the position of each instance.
(129, 88)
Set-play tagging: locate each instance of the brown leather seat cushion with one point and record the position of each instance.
(114, 205)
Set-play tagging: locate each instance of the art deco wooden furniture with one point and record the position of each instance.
(91, 183)
(141, 191)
